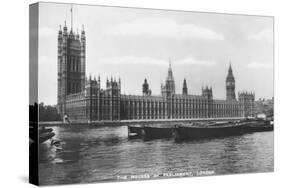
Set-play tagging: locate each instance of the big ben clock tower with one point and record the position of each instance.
(230, 85)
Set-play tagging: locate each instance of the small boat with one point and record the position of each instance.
(45, 130)
(45, 136)
(135, 130)
(211, 130)
(40, 135)
(55, 142)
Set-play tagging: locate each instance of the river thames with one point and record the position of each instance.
(93, 154)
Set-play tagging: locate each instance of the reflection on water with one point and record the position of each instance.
(87, 154)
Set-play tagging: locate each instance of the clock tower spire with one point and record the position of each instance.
(230, 85)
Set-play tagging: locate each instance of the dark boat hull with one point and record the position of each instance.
(257, 126)
(158, 132)
(191, 133)
(134, 131)
(45, 136)
(45, 130)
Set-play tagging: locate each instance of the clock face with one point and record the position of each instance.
(229, 83)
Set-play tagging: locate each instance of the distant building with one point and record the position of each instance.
(247, 99)
(83, 99)
(265, 106)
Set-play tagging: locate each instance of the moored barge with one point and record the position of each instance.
(199, 130)
(257, 125)
(212, 130)
(158, 131)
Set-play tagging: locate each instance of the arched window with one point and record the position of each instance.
(69, 64)
(77, 65)
(73, 64)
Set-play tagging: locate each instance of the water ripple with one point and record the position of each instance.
(88, 154)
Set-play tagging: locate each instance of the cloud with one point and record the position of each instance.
(130, 60)
(160, 27)
(258, 65)
(193, 61)
(266, 35)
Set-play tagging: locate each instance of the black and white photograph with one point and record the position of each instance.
(136, 94)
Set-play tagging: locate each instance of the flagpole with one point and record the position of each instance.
(71, 18)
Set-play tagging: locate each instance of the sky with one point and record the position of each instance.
(134, 44)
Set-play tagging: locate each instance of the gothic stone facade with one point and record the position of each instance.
(83, 99)
(71, 65)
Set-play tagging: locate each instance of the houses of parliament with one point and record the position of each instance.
(83, 99)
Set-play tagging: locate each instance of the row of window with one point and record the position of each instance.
(151, 110)
(73, 64)
(182, 112)
(73, 87)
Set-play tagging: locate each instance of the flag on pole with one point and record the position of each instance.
(71, 18)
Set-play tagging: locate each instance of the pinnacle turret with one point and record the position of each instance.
(184, 87)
